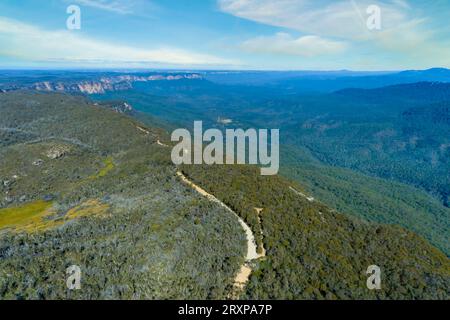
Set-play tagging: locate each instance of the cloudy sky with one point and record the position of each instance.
(226, 34)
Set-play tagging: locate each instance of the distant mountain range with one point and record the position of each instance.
(290, 82)
(323, 81)
(418, 91)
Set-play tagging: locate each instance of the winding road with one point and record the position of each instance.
(243, 275)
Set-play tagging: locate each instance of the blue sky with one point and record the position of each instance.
(226, 34)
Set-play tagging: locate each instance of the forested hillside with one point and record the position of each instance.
(316, 253)
(370, 198)
(86, 185)
(82, 185)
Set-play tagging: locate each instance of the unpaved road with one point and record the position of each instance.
(243, 275)
(310, 199)
(251, 244)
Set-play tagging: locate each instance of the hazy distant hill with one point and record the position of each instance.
(296, 82)
(415, 92)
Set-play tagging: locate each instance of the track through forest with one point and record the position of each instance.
(243, 275)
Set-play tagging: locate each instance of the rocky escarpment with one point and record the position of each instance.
(100, 85)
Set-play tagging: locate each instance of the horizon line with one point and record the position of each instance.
(125, 69)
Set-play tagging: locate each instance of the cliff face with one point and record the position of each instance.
(88, 87)
(101, 85)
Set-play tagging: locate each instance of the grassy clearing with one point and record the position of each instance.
(40, 215)
(108, 166)
(91, 207)
(21, 217)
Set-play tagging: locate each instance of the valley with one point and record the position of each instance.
(89, 181)
(377, 154)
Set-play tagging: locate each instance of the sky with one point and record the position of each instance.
(225, 34)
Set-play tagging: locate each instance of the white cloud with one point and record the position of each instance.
(403, 30)
(24, 41)
(402, 3)
(117, 6)
(283, 43)
(344, 19)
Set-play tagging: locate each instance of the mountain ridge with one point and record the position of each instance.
(98, 86)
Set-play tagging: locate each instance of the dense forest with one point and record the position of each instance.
(314, 252)
(83, 184)
(154, 238)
